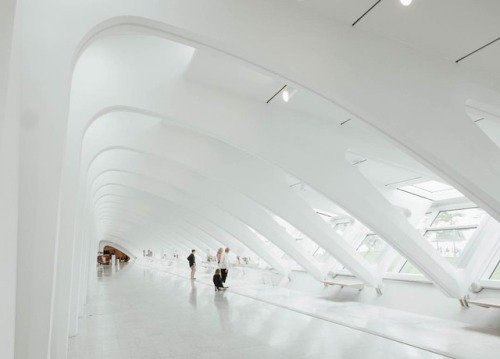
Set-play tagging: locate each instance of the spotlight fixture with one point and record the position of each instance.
(287, 93)
(405, 2)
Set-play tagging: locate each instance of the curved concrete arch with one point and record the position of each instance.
(441, 267)
(283, 247)
(340, 189)
(213, 242)
(145, 25)
(122, 230)
(225, 222)
(128, 245)
(216, 215)
(200, 224)
(123, 238)
(155, 238)
(208, 241)
(118, 246)
(466, 164)
(238, 207)
(234, 203)
(203, 238)
(261, 188)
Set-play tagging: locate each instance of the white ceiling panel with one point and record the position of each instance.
(445, 28)
(486, 61)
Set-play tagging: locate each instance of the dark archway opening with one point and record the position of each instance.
(106, 256)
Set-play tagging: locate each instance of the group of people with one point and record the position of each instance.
(221, 271)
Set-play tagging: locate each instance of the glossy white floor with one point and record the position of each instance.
(143, 312)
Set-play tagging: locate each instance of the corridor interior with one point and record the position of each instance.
(343, 155)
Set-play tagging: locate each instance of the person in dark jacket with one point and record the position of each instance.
(192, 263)
(218, 280)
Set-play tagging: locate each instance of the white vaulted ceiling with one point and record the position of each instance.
(447, 29)
(160, 125)
(183, 145)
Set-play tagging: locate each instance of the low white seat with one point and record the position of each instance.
(344, 282)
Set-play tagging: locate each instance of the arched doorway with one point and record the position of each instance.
(105, 257)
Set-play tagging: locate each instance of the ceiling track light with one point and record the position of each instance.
(403, 2)
(473, 52)
(276, 94)
(366, 12)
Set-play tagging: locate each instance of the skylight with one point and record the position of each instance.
(433, 186)
(432, 190)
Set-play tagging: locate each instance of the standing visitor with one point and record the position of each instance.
(219, 255)
(192, 263)
(224, 264)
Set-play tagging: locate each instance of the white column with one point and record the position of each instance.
(9, 164)
(45, 80)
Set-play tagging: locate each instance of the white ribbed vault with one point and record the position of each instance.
(146, 127)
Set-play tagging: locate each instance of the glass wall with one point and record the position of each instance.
(450, 243)
(452, 230)
(371, 247)
(449, 231)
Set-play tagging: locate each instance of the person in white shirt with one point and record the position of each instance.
(224, 265)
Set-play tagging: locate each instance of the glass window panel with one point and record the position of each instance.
(450, 243)
(371, 247)
(459, 217)
(396, 265)
(496, 273)
(409, 268)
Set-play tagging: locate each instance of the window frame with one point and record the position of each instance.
(462, 260)
(432, 214)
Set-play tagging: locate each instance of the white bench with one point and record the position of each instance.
(486, 302)
(343, 282)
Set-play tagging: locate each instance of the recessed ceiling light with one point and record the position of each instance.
(288, 93)
(286, 96)
(405, 2)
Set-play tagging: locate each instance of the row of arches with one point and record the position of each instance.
(139, 125)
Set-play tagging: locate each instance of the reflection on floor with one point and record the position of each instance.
(145, 312)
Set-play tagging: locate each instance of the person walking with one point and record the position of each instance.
(224, 265)
(192, 263)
